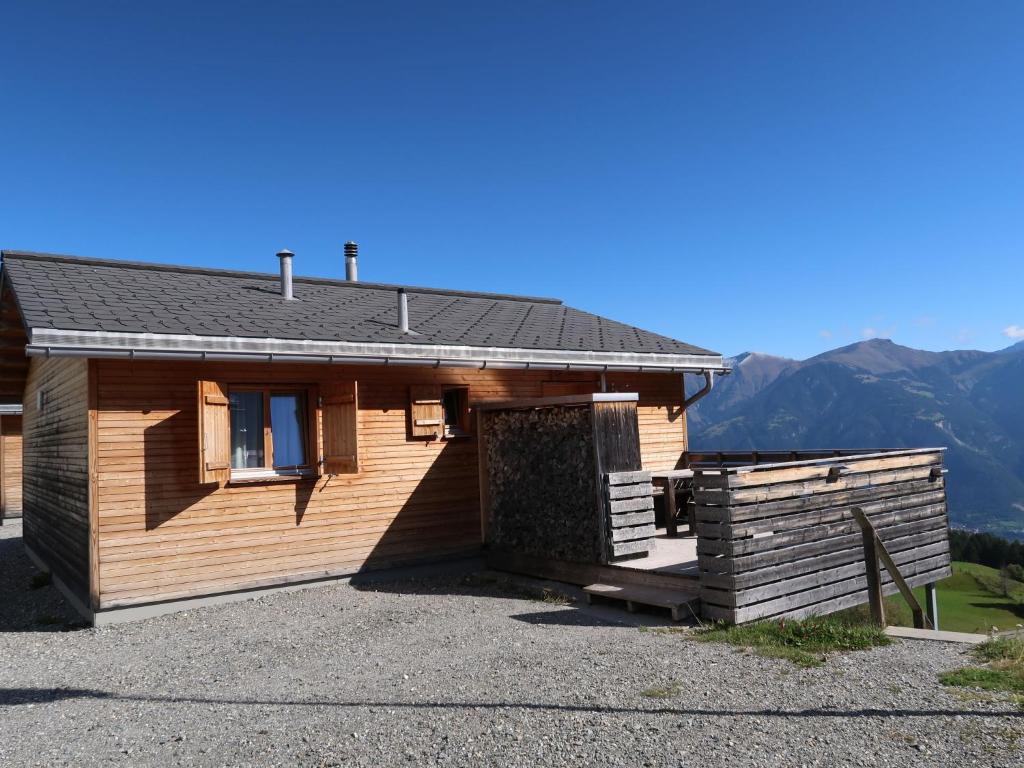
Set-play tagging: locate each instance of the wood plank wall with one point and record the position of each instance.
(55, 473)
(162, 535)
(10, 466)
(663, 435)
(782, 542)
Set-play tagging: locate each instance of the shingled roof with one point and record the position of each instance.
(68, 301)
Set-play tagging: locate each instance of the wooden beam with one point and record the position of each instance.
(874, 550)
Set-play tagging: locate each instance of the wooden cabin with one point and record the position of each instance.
(198, 435)
(201, 434)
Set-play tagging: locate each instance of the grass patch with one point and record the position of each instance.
(666, 630)
(1003, 670)
(666, 692)
(508, 587)
(805, 642)
(1002, 649)
(40, 580)
(555, 598)
(985, 678)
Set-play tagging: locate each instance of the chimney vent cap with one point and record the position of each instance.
(351, 262)
(284, 253)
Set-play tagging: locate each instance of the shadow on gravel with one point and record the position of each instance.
(29, 602)
(570, 617)
(16, 696)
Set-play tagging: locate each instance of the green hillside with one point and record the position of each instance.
(971, 600)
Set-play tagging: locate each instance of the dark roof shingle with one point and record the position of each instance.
(77, 294)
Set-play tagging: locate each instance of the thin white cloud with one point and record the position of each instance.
(875, 333)
(924, 321)
(1014, 332)
(964, 336)
(871, 332)
(825, 333)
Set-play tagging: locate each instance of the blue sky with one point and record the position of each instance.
(782, 177)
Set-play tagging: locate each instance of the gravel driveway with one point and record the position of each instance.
(456, 671)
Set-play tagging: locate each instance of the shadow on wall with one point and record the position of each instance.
(171, 462)
(171, 468)
(441, 517)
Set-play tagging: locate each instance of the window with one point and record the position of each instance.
(247, 438)
(255, 432)
(436, 411)
(288, 422)
(269, 429)
(455, 403)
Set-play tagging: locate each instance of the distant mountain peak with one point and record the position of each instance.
(758, 357)
(878, 356)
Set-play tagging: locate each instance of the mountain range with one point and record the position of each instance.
(878, 394)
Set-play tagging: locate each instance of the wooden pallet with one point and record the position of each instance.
(681, 603)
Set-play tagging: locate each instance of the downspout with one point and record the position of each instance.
(709, 383)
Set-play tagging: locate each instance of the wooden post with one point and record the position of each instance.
(874, 575)
(874, 550)
(671, 528)
(931, 604)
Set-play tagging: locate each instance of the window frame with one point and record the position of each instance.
(269, 471)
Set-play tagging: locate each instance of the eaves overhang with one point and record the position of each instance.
(46, 342)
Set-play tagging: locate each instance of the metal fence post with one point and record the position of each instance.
(931, 604)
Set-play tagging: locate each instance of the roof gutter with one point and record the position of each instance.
(150, 346)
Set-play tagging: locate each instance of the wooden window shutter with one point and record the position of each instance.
(426, 412)
(214, 433)
(340, 432)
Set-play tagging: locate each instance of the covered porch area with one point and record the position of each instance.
(742, 536)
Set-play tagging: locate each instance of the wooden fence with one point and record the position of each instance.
(779, 539)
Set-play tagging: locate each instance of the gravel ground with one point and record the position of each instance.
(461, 672)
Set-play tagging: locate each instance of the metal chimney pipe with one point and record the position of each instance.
(351, 267)
(403, 311)
(286, 273)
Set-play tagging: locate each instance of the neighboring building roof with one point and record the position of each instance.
(70, 303)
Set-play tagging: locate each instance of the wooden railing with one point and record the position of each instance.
(691, 459)
(876, 555)
(780, 538)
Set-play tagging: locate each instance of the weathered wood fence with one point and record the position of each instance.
(780, 540)
(630, 514)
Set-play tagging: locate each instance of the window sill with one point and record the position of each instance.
(253, 476)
